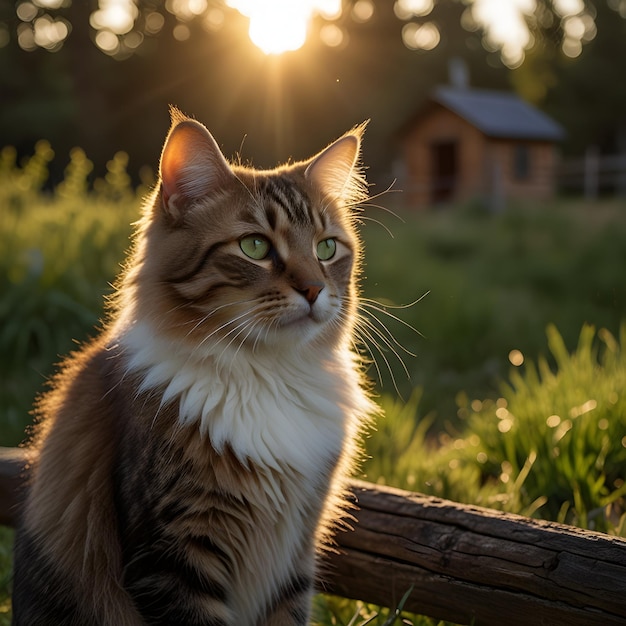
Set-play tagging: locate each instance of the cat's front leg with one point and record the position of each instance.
(288, 616)
(169, 590)
(292, 606)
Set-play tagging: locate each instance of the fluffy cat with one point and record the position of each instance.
(189, 462)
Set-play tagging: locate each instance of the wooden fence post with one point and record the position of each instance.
(592, 172)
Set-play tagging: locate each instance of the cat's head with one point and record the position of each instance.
(231, 256)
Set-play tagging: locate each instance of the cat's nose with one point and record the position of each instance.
(310, 291)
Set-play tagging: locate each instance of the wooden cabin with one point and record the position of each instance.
(467, 144)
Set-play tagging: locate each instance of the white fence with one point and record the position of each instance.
(594, 174)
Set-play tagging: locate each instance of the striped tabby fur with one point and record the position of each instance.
(189, 462)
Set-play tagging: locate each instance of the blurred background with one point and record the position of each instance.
(101, 74)
(495, 237)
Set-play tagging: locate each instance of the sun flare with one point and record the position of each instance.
(278, 26)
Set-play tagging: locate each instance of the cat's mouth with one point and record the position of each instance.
(299, 319)
(304, 318)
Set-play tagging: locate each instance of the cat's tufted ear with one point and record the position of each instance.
(192, 165)
(335, 169)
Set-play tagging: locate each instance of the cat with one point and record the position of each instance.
(190, 462)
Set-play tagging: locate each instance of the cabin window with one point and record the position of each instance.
(521, 161)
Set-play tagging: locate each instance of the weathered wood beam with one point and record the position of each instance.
(473, 565)
(12, 475)
(463, 563)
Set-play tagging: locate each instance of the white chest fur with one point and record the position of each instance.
(274, 409)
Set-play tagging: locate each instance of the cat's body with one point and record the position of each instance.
(190, 461)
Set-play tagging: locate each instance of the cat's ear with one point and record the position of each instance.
(335, 170)
(192, 165)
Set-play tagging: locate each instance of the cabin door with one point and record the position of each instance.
(444, 169)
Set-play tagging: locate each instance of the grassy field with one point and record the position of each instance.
(494, 283)
(542, 285)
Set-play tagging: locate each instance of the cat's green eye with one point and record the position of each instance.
(255, 246)
(326, 249)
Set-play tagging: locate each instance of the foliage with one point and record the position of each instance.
(341, 612)
(6, 543)
(60, 251)
(551, 78)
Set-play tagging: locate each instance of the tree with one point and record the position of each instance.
(590, 95)
(580, 81)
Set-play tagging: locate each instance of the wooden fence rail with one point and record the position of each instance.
(593, 174)
(463, 563)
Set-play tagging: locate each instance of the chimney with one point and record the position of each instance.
(458, 74)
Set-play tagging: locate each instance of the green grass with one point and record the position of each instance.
(330, 610)
(546, 439)
(552, 445)
(6, 545)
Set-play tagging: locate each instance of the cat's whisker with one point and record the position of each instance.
(178, 307)
(250, 327)
(255, 199)
(227, 323)
(361, 203)
(365, 319)
(199, 323)
(387, 340)
(394, 306)
(369, 340)
(376, 338)
(360, 347)
(360, 344)
(236, 332)
(270, 325)
(367, 305)
(370, 313)
(372, 205)
(213, 312)
(384, 192)
(265, 326)
(361, 219)
(372, 358)
(258, 338)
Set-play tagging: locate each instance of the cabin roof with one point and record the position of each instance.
(499, 114)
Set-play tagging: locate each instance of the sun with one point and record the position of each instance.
(278, 26)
